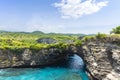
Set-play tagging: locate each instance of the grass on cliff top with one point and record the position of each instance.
(19, 40)
(101, 36)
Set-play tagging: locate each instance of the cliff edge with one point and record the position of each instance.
(102, 59)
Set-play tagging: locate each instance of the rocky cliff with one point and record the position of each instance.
(28, 58)
(102, 58)
(31, 58)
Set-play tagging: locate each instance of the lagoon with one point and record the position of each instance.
(72, 68)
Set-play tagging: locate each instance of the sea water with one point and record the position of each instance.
(70, 69)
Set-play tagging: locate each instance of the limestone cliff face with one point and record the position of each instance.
(102, 60)
(28, 58)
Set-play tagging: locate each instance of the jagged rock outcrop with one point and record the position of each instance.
(102, 60)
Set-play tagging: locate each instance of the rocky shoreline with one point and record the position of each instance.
(102, 59)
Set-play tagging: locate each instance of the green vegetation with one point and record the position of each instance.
(116, 30)
(87, 38)
(100, 36)
(97, 36)
(17, 41)
(78, 43)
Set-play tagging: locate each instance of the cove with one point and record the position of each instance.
(71, 68)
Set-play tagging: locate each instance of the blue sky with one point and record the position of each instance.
(60, 16)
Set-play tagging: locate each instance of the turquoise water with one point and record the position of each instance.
(70, 69)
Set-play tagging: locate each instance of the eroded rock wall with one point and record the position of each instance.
(28, 58)
(102, 60)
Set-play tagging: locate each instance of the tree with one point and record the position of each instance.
(116, 30)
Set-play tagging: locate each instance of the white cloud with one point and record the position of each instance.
(79, 8)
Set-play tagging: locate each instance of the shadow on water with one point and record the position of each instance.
(70, 68)
(71, 61)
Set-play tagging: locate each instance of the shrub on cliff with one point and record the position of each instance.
(100, 36)
(78, 43)
(116, 30)
(88, 38)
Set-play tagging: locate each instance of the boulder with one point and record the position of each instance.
(46, 40)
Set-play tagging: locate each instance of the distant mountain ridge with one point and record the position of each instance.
(40, 32)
